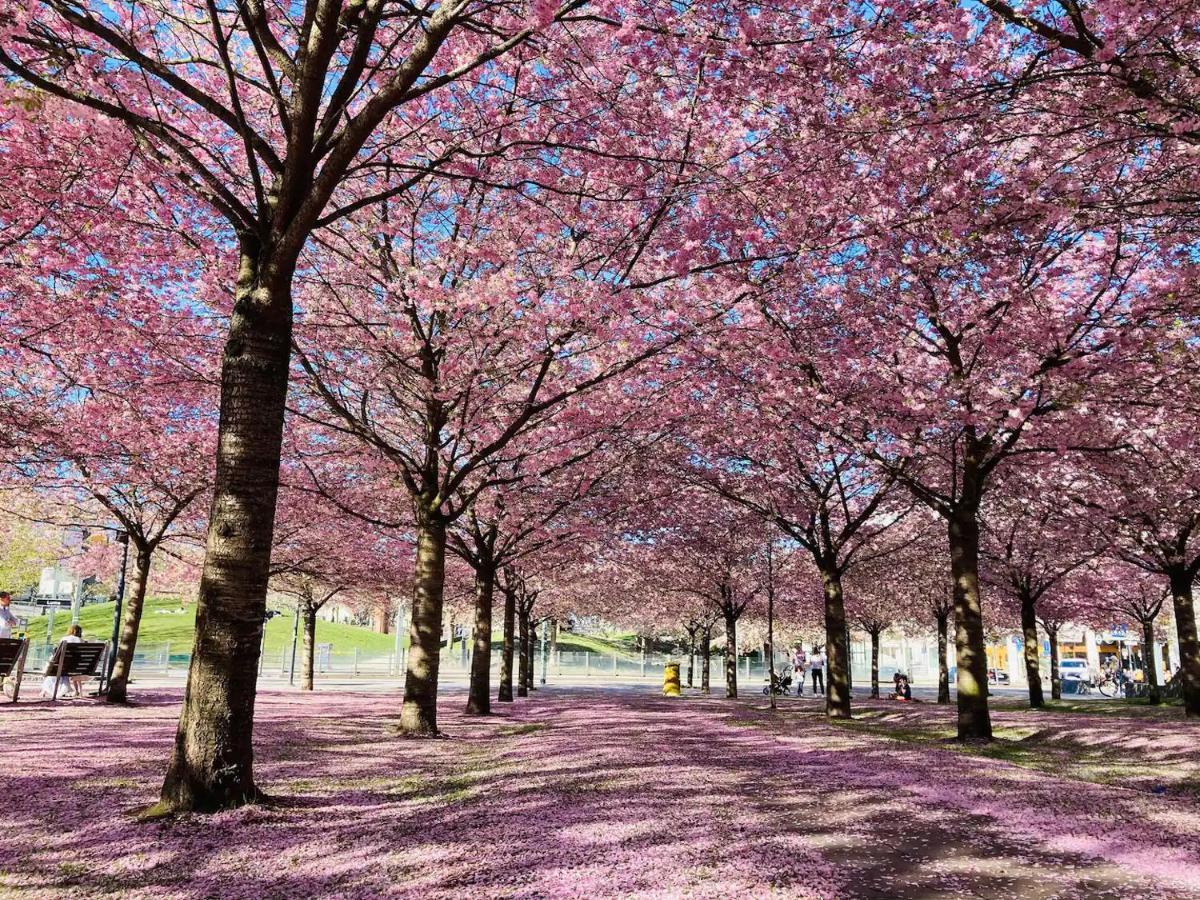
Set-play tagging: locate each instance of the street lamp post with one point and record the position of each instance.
(123, 538)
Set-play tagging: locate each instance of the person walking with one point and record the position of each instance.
(816, 662)
(8, 621)
(799, 664)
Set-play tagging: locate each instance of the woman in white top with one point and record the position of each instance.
(65, 684)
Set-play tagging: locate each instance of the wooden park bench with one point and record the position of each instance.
(71, 660)
(76, 660)
(12, 662)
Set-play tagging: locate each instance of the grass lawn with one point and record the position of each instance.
(165, 621)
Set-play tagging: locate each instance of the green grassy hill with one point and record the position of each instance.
(165, 621)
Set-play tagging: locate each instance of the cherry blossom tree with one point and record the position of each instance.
(282, 122)
(1131, 591)
(1034, 537)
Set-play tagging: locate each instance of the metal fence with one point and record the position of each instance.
(165, 659)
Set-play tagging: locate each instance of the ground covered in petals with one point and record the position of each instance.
(603, 794)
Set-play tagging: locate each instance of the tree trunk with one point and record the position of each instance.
(730, 656)
(706, 660)
(770, 647)
(974, 720)
(1055, 681)
(943, 628)
(523, 657)
(874, 665)
(837, 650)
(1149, 663)
(212, 765)
(479, 695)
(131, 620)
(418, 716)
(505, 694)
(531, 665)
(691, 656)
(1033, 673)
(310, 646)
(1189, 649)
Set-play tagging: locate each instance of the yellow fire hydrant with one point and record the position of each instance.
(671, 680)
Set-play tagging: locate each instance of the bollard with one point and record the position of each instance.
(671, 680)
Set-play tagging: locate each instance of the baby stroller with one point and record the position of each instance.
(782, 684)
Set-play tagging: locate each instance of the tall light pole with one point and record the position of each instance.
(122, 537)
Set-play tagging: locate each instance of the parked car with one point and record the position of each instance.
(1074, 670)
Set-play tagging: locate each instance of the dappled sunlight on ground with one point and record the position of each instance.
(595, 794)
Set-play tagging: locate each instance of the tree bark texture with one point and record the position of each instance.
(875, 665)
(308, 651)
(974, 719)
(1189, 649)
(1029, 635)
(131, 619)
(212, 763)
(837, 646)
(479, 694)
(731, 686)
(418, 716)
(525, 657)
(943, 629)
(1149, 662)
(1055, 680)
(505, 694)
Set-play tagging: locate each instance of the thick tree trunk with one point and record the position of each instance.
(837, 648)
(309, 647)
(874, 665)
(730, 656)
(131, 619)
(1149, 663)
(706, 660)
(524, 656)
(505, 693)
(1189, 648)
(418, 716)
(1029, 635)
(479, 694)
(212, 765)
(974, 720)
(1055, 680)
(943, 628)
